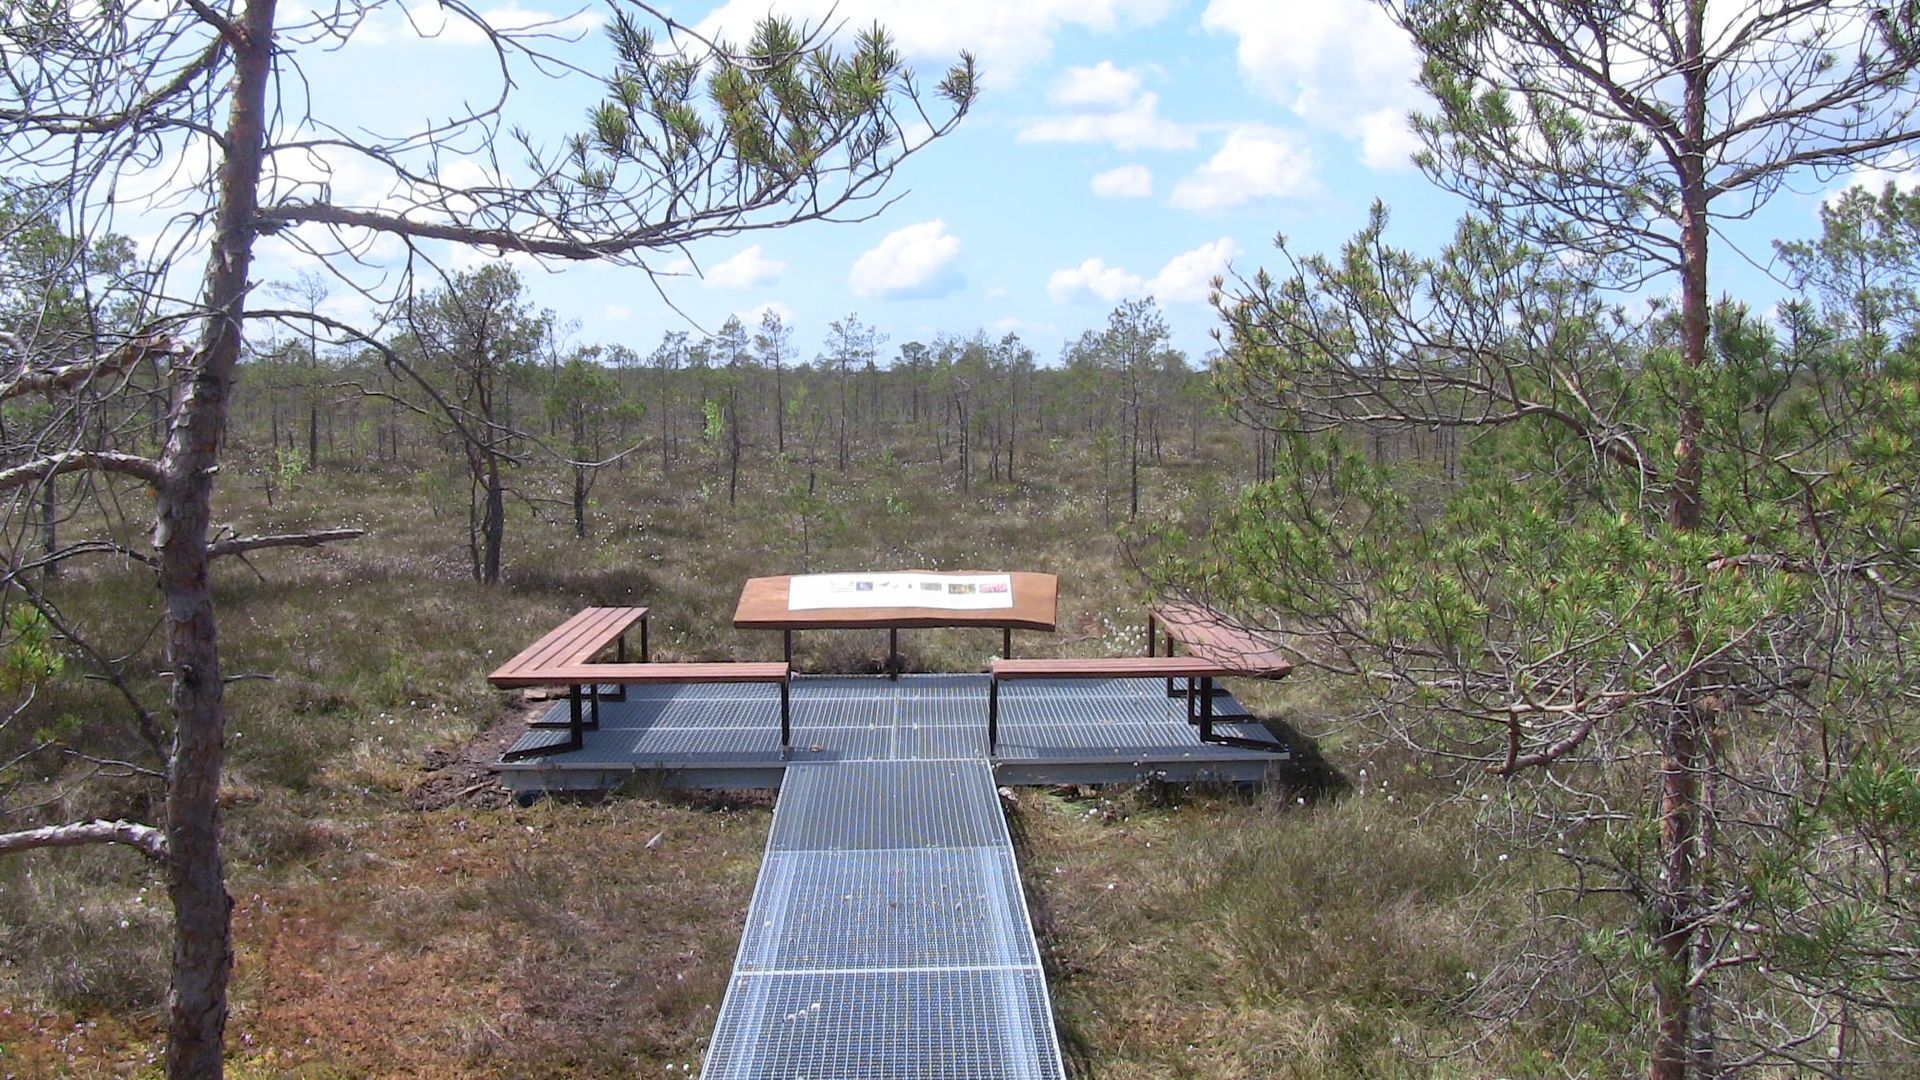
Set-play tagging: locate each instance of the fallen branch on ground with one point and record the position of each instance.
(237, 545)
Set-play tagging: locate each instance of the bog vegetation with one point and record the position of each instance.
(1605, 613)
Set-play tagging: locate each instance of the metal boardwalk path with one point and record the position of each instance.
(888, 936)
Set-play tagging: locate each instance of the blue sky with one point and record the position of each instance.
(1119, 148)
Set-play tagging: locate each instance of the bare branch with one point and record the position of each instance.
(145, 839)
(142, 468)
(237, 545)
(80, 372)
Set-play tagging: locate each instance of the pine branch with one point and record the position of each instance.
(236, 545)
(79, 372)
(146, 839)
(133, 465)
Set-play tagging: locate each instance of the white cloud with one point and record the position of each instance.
(1331, 62)
(746, 269)
(914, 262)
(1008, 36)
(1897, 170)
(1255, 162)
(1187, 278)
(1138, 126)
(1106, 105)
(750, 317)
(334, 173)
(1125, 182)
(1096, 279)
(1387, 140)
(618, 313)
(1101, 86)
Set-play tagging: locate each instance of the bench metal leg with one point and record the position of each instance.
(1170, 690)
(643, 641)
(1183, 691)
(893, 653)
(1206, 709)
(593, 696)
(786, 715)
(1006, 643)
(576, 725)
(993, 715)
(786, 640)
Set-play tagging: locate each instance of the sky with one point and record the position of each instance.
(1119, 148)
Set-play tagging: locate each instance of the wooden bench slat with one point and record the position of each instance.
(598, 631)
(560, 642)
(620, 620)
(640, 674)
(574, 641)
(1111, 667)
(1205, 632)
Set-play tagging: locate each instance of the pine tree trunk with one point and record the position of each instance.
(579, 502)
(494, 522)
(196, 875)
(1013, 422)
(1133, 465)
(1681, 757)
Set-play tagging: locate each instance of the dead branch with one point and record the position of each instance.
(145, 839)
(63, 377)
(237, 545)
(134, 465)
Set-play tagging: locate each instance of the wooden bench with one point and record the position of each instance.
(1217, 648)
(564, 657)
(1204, 632)
(577, 641)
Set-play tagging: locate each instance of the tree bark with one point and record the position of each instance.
(196, 877)
(733, 443)
(1133, 460)
(493, 523)
(145, 839)
(240, 545)
(1681, 733)
(579, 502)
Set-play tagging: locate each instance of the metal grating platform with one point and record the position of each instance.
(888, 936)
(863, 805)
(933, 908)
(983, 1024)
(718, 736)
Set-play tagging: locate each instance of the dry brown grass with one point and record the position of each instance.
(1207, 937)
(1222, 937)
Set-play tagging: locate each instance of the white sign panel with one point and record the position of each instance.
(951, 592)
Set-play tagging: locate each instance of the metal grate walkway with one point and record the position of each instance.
(888, 936)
